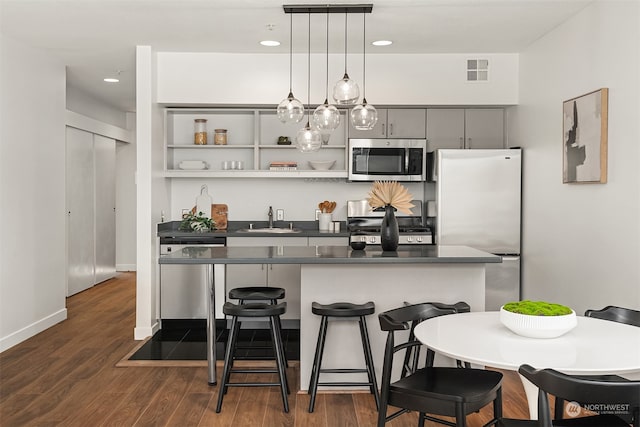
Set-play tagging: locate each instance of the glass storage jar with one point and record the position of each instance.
(220, 137)
(200, 134)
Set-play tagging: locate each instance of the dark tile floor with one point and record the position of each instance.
(187, 340)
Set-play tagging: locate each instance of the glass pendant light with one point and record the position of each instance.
(364, 116)
(326, 118)
(346, 91)
(308, 139)
(290, 110)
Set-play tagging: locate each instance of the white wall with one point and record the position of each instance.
(126, 201)
(581, 243)
(436, 79)
(32, 192)
(85, 104)
(151, 189)
(249, 199)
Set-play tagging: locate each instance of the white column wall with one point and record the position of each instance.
(581, 243)
(32, 191)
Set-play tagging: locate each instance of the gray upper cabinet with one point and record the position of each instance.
(465, 128)
(395, 123)
(484, 128)
(445, 128)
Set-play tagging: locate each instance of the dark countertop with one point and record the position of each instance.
(308, 229)
(419, 254)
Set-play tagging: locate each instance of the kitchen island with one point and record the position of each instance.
(337, 273)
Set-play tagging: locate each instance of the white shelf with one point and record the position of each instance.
(208, 146)
(254, 174)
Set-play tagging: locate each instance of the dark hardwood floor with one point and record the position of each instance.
(67, 376)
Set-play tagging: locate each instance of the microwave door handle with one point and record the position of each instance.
(406, 160)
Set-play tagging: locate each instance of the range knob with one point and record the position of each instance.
(372, 240)
(419, 239)
(409, 239)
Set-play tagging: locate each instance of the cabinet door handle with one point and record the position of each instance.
(469, 142)
(391, 129)
(461, 142)
(383, 132)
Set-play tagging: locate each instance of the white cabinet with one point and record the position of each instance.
(407, 123)
(285, 276)
(252, 136)
(465, 128)
(90, 201)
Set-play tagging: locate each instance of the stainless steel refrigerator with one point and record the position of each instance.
(478, 204)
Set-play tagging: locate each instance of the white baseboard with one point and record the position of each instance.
(125, 267)
(32, 329)
(141, 333)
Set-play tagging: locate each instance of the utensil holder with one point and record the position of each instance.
(325, 221)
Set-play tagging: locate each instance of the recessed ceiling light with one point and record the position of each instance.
(382, 43)
(270, 43)
(111, 80)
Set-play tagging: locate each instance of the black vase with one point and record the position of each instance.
(389, 234)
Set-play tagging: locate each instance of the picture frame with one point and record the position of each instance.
(584, 143)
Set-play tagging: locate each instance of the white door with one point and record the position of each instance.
(105, 205)
(80, 210)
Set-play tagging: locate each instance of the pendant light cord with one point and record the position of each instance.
(290, 53)
(345, 43)
(326, 96)
(309, 70)
(364, 58)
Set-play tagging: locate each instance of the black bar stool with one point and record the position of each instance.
(258, 293)
(255, 310)
(342, 310)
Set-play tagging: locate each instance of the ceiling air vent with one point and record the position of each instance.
(477, 70)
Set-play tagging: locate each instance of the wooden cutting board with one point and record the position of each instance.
(219, 212)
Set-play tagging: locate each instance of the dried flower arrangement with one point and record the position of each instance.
(392, 193)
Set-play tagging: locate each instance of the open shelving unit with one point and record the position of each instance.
(252, 136)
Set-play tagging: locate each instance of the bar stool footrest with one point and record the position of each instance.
(252, 384)
(254, 371)
(344, 384)
(344, 371)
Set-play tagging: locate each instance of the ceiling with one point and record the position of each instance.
(96, 38)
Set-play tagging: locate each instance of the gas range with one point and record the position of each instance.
(364, 224)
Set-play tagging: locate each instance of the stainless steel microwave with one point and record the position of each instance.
(387, 159)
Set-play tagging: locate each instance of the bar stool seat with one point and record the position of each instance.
(253, 293)
(260, 309)
(342, 310)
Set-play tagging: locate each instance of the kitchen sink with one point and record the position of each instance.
(275, 230)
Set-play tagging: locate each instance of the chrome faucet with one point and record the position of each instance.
(270, 217)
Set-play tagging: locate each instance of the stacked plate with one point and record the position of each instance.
(192, 165)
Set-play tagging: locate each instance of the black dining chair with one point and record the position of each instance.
(618, 396)
(614, 314)
(429, 390)
(412, 355)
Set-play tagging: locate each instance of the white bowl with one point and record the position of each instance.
(192, 165)
(322, 165)
(538, 326)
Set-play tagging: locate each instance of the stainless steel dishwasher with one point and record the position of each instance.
(184, 288)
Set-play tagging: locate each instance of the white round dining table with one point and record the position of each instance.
(593, 347)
